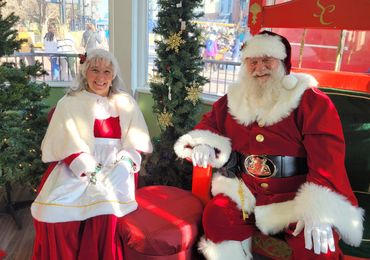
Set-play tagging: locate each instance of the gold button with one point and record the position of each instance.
(261, 124)
(264, 185)
(260, 138)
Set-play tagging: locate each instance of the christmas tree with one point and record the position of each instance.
(8, 34)
(22, 113)
(176, 88)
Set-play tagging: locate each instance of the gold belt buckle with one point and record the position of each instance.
(259, 166)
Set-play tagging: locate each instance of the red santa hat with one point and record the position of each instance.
(270, 44)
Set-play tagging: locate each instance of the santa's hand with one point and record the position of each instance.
(318, 235)
(202, 155)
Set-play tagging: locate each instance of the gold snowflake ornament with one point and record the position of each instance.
(193, 94)
(165, 119)
(174, 42)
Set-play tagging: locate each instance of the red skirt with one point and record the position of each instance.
(95, 238)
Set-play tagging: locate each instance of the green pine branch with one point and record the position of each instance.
(8, 34)
(22, 112)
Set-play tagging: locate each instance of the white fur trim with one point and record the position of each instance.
(314, 203)
(273, 218)
(230, 188)
(135, 133)
(82, 164)
(264, 45)
(288, 101)
(320, 204)
(68, 134)
(289, 81)
(184, 145)
(229, 249)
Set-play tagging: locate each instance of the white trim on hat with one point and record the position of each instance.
(264, 45)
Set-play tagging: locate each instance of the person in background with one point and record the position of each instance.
(103, 31)
(282, 141)
(51, 47)
(66, 45)
(235, 51)
(95, 139)
(90, 38)
(27, 45)
(211, 49)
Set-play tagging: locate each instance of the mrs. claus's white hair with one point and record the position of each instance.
(93, 56)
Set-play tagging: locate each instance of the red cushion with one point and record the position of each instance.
(165, 223)
(2, 254)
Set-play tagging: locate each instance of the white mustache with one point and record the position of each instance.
(261, 73)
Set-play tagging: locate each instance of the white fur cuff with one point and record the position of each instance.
(184, 145)
(82, 164)
(315, 202)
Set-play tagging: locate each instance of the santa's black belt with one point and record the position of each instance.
(264, 166)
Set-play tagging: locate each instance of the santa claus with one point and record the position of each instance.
(288, 174)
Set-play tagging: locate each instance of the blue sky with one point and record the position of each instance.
(103, 8)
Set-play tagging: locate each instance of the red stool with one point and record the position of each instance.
(165, 226)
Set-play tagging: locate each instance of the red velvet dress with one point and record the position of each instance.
(93, 238)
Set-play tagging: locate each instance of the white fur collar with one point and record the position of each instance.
(245, 112)
(78, 134)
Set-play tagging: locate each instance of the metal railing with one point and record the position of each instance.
(61, 67)
(220, 74)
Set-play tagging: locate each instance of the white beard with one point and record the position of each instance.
(266, 102)
(262, 95)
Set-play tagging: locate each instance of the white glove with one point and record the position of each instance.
(130, 154)
(83, 163)
(202, 155)
(128, 164)
(320, 235)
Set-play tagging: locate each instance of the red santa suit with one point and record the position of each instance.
(75, 218)
(303, 123)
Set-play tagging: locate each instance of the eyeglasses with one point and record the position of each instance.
(266, 61)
